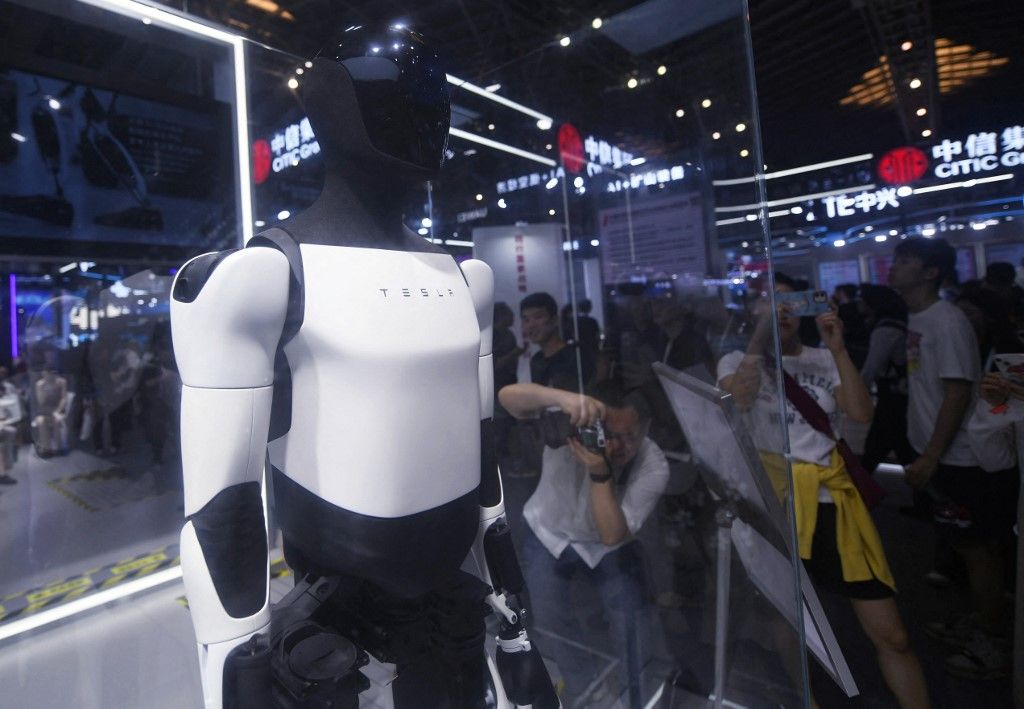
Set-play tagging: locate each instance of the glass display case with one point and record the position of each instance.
(140, 138)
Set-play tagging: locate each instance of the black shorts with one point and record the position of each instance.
(990, 498)
(826, 568)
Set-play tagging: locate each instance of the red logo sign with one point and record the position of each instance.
(901, 166)
(570, 147)
(260, 161)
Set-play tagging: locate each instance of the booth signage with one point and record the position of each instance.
(846, 206)
(463, 217)
(979, 152)
(901, 166)
(293, 145)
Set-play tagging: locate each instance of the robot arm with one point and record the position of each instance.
(227, 313)
(519, 664)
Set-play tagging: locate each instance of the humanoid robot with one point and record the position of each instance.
(362, 354)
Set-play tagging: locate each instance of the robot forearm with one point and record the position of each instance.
(224, 553)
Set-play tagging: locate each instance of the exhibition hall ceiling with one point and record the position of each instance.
(833, 78)
(809, 55)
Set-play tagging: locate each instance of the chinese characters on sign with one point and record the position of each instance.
(531, 180)
(601, 153)
(294, 145)
(979, 152)
(846, 206)
(649, 178)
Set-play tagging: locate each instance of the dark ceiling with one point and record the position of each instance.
(807, 56)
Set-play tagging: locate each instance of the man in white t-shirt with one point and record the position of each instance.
(582, 519)
(943, 369)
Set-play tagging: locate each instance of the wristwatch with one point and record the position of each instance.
(602, 478)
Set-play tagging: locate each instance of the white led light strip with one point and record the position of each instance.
(965, 183)
(796, 170)
(473, 137)
(80, 605)
(791, 200)
(160, 16)
(463, 84)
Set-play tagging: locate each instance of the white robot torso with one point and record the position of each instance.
(385, 412)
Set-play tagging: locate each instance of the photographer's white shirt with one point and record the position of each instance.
(559, 514)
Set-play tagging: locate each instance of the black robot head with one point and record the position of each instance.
(381, 93)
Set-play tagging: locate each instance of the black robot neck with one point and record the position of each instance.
(354, 210)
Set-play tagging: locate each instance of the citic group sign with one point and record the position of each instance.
(902, 166)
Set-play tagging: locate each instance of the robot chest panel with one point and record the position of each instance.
(396, 308)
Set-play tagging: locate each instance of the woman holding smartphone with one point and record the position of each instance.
(838, 542)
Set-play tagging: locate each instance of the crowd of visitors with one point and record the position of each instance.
(930, 367)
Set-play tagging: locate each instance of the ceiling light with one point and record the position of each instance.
(839, 243)
(928, 232)
(595, 242)
(147, 21)
(490, 126)
(915, 83)
(54, 104)
(810, 216)
(564, 41)
(880, 238)
(18, 137)
(283, 214)
(796, 210)
(596, 24)
(907, 46)
(479, 198)
(309, 65)
(662, 69)
(926, 133)
(745, 244)
(716, 135)
(299, 71)
(904, 191)
(293, 83)
(869, 228)
(548, 146)
(551, 212)
(427, 222)
(550, 184)
(706, 103)
(957, 65)
(791, 245)
(577, 182)
(740, 127)
(978, 226)
(492, 88)
(680, 113)
(921, 111)
(632, 83)
(423, 231)
(893, 232)
(259, 223)
(751, 217)
(501, 203)
(637, 161)
(744, 153)
(544, 124)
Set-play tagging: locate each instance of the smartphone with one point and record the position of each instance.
(802, 304)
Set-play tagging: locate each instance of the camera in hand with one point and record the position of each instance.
(556, 428)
